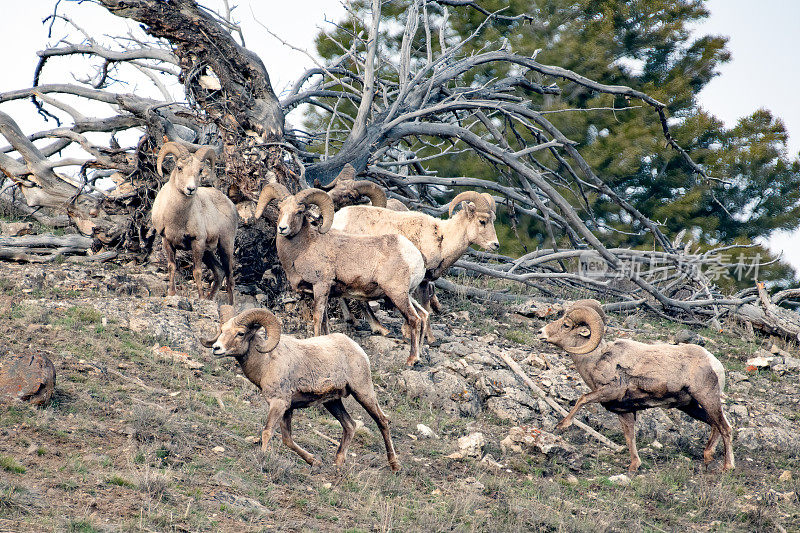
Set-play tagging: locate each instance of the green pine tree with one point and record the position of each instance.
(647, 45)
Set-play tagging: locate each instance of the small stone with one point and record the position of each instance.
(252, 439)
(530, 439)
(472, 444)
(786, 475)
(757, 362)
(218, 449)
(657, 445)
(15, 229)
(435, 492)
(739, 411)
(489, 460)
(620, 479)
(688, 337)
(571, 479)
(426, 432)
(327, 485)
(791, 363)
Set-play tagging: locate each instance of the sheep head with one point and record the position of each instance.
(346, 190)
(350, 192)
(580, 330)
(236, 333)
(190, 169)
(294, 208)
(479, 213)
(347, 174)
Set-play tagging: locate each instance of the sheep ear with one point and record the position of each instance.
(584, 331)
(469, 207)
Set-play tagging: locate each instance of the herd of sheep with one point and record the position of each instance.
(383, 250)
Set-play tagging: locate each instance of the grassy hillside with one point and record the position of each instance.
(141, 439)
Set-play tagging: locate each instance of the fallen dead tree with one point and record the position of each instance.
(48, 248)
(387, 114)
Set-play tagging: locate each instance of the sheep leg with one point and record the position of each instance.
(708, 451)
(321, 292)
(628, 423)
(286, 436)
(216, 269)
(172, 266)
(712, 406)
(406, 307)
(374, 324)
(198, 250)
(226, 257)
(603, 394)
(346, 314)
(425, 315)
(431, 338)
(426, 295)
(369, 402)
(276, 410)
(433, 303)
(336, 408)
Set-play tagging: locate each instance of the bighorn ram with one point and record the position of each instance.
(346, 190)
(441, 242)
(293, 374)
(326, 263)
(628, 376)
(188, 216)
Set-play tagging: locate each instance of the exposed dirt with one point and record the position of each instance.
(147, 431)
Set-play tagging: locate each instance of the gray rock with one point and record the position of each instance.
(740, 412)
(792, 363)
(768, 438)
(455, 348)
(528, 439)
(442, 389)
(620, 479)
(689, 337)
(27, 377)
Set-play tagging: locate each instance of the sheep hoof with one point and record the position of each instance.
(383, 332)
(414, 362)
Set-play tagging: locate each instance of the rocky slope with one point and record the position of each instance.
(463, 417)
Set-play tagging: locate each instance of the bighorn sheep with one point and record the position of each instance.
(294, 373)
(188, 216)
(362, 267)
(628, 376)
(346, 190)
(441, 242)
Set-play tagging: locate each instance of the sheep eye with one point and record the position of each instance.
(483, 222)
(240, 334)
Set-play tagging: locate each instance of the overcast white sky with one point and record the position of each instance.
(764, 42)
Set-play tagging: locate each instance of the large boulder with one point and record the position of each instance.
(29, 377)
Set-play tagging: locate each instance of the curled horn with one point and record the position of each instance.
(322, 200)
(480, 201)
(206, 152)
(209, 342)
(171, 147)
(594, 304)
(264, 318)
(371, 191)
(589, 316)
(225, 314)
(492, 204)
(268, 193)
(348, 173)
